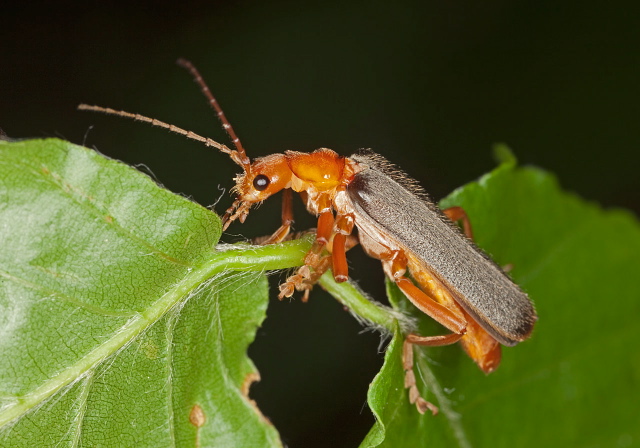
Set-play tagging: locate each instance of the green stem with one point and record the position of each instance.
(351, 297)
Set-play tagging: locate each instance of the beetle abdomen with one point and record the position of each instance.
(383, 200)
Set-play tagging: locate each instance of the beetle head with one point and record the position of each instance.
(261, 179)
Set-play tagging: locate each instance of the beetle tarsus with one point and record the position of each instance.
(435, 341)
(422, 405)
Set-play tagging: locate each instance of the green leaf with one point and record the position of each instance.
(576, 381)
(123, 324)
(120, 323)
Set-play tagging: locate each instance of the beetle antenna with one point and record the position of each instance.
(214, 104)
(161, 124)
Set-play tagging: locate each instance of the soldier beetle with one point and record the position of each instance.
(454, 281)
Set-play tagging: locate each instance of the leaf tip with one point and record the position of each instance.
(504, 155)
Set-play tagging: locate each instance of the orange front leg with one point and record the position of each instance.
(315, 266)
(323, 231)
(325, 228)
(287, 220)
(314, 259)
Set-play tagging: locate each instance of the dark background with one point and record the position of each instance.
(430, 85)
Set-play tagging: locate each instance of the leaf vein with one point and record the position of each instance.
(88, 202)
(66, 298)
(82, 408)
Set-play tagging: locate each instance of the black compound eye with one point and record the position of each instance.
(261, 182)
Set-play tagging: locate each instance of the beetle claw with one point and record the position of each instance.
(286, 290)
(423, 405)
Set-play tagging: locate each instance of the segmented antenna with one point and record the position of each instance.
(214, 104)
(161, 124)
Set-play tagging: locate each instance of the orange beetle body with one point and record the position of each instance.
(324, 176)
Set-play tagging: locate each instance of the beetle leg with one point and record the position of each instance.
(434, 341)
(313, 259)
(479, 345)
(458, 214)
(287, 219)
(325, 227)
(323, 235)
(395, 266)
(410, 380)
(328, 262)
(343, 228)
(448, 318)
(307, 276)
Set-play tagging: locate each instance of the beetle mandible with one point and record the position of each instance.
(454, 281)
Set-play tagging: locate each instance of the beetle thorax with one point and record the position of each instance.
(320, 175)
